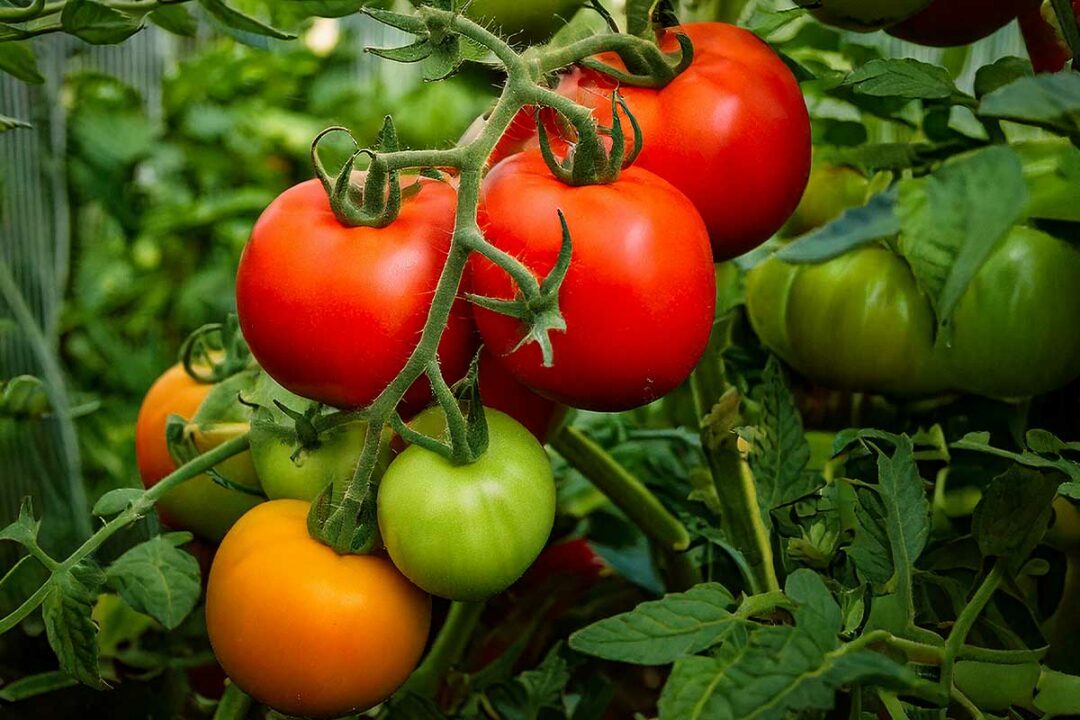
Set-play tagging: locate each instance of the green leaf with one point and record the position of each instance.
(175, 19)
(242, 22)
(158, 579)
(780, 451)
(533, 690)
(1013, 514)
(639, 16)
(1046, 443)
(661, 631)
(1058, 693)
(34, 685)
(1052, 172)
(1047, 101)
(117, 501)
(17, 58)
(96, 23)
(25, 529)
(903, 78)
(71, 631)
(854, 228)
(328, 8)
(1000, 73)
(980, 442)
(954, 219)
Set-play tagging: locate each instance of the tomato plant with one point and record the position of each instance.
(628, 238)
(501, 391)
(277, 602)
(347, 357)
(201, 505)
(744, 163)
(467, 532)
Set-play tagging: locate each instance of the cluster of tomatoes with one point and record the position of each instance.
(332, 314)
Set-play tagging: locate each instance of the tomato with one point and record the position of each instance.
(863, 15)
(467, 532)
(638, 298)
(532, 21)
(857, 322)
(1014, 331)
(832, 190)
(305, 630)
(340, 337)
(1043, 37)
(200, 505)
(572, 558)
(501, 391)
(732, 132)
(945, 23)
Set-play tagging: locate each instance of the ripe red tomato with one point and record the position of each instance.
(639, 296)
(945, 23)
(1043, 37)
(502, 391)
(732, 132)
(333, 313)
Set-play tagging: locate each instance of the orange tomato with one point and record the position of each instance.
(305, 630)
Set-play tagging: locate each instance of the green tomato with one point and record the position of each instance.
(863, 15)
(289, 471)
(832, 190)
(532, 20)
(1016, 330)
(466, 532)
(857, 322)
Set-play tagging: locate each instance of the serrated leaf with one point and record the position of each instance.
(158, 579)
(855, 227)
(25, 528)
(1000, 73)
(870, 549)
(117, 501)
(980, 442)
(237, 20)
(954, 219)
(1013, 514)
(661, 631)
(175, 19)
(17, 59)
(1047, 101)
(96, 23)
(533, 690)
(780, 451)
(902, 78)
(66, 611)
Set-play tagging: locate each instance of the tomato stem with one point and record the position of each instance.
(447, 650)
(955, 642)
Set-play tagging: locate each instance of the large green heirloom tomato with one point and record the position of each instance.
(466, 532)
(863, 15)
(857, 322)
(530, 20)
(1016, 330)
(832, 190)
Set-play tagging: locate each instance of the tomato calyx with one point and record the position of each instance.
(589, 162)
(378, 202)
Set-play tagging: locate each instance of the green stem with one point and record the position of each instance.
(623, 489)
(234, 704)
(892, 704)
(31, 11)
(955, 642)
(447, 650)
(965, 702)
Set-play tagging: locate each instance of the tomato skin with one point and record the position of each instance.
(340, 337)
(1014, 331)
(638, 298)
(199, 505)
(832, 190)
(532, 21)
(947, 23)
(305, 630)
(863, 15)
(732, 132)
(467, 532)
(1045, 43)
(501, 391)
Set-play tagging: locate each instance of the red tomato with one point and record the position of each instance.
(501, 390)
(945, 23)
(1045, 44)
(639, 296)
(732, 132)
(333, 313)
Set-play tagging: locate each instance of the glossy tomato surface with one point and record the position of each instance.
(945, 23)
(638, 299)
(501, 391)
(305, 630)
(832, 190)
(466, 532)
(333, 313)
(200, 505)
(731, 132)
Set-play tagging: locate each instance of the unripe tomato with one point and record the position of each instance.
(1015, 330)
(639, 295)
(333, 313)
(501, 391)
(200, 505)
(305, 630)
(531, 21)
(832, 190)
(857, 322)
(467, 532)
(945, 23)
(863, 15)
(731, 132)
